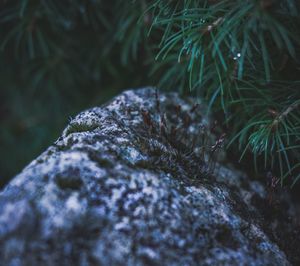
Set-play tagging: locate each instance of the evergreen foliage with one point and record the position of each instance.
(241, 56)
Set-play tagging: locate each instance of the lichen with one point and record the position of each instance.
(130, 186)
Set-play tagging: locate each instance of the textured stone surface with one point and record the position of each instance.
(126, 185)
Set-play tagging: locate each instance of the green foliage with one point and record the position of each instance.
(242, 56)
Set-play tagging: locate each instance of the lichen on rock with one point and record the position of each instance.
(129, 184)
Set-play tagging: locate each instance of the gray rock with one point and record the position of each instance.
(129, 184)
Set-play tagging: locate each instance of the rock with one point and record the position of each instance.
(129, 183)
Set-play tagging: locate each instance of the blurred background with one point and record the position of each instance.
(58, 58)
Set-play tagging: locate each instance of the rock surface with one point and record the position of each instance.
(127, 184)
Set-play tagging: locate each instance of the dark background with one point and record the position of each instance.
(32, 119)
(57, 59)
(61, 57)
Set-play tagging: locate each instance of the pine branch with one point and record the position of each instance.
(241, 56)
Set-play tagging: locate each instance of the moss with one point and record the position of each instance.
(80, 127)
(167, 144)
